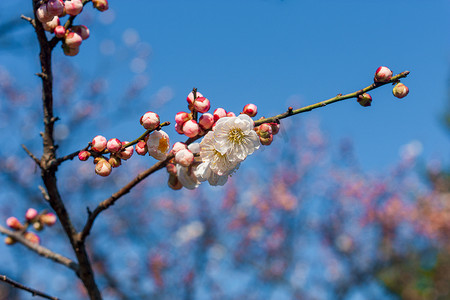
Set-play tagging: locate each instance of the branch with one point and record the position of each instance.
(30, 20)
(42, 251)
(290, 112)
(25, 288)
(114, 197)
(30, 154)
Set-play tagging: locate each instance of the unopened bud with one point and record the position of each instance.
(158, 144)
(82, 31)
(275, 128)
(141, 147)
(49, 219)
(60, 31)
(191, 128)
(250, 109)
(103, 168)
(266, 141)
(55, 7)
(127, 152)
(101, 5)
(84, 155)
(14, 223)
(32, 237)
(383, 74)
(264, 130)
(150, 120)
(179, 128)
(73, 7)
(70, 51)
(190, 98)
(31, 214)
(400, 90)
(114, 145)
(38, 226)
(114, 161)
(99, 143)
(73, 40)
(184, 157)
(365, 100)
(51, 25)
(174, 183)
(178, 146)
(231, 114)
(206, 121)
(219, 113)
(9, 240)
(202, 105)
(171, 169)
(181, 118)
(43, 14)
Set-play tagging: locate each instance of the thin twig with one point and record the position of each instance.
(114, 197)
(33, 157)
(44, 193)
(339, 97)
(25, 288)
(42, 251)
(30, 20)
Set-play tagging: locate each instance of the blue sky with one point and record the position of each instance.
(280, 53)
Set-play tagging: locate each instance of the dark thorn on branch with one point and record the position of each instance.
(36, 160)
(89, 212)
(25, 288)
(42, 75)
(290, 109)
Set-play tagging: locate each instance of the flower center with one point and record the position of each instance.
(236, 136)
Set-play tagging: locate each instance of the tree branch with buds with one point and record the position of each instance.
(18, 285)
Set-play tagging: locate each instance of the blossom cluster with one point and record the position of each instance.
(34, 219)
(383, 75)
(50, 12)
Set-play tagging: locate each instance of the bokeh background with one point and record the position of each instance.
(347, 203)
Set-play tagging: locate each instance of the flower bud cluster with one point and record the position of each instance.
(266, 131)
(99, 147)
(50, 12)
(32, 218)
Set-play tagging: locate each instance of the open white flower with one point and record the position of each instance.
(203, 172)
(235, 137)
(217, 162)
(187, 177)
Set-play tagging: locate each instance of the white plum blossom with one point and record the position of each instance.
(187, 177)
(235, 137)
(203, 172)
(217, 162)
(158, 144)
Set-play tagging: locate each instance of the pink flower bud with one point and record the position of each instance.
(31, 214)
(60, 31)
(43, 14)
(219, 113)
(191, 128)
(51, 25)
(73, 40)
(14, 223)
(179, 128)
(266, 141)
(178, 146)
(48, 219)
(82, 31)
(184, 157)
(275, 128)
(264, 130)
(114, 145)
(231, 114)
(141, 147)
(206, 121)
(383, 74)
(70, 51)
(150, 120)
(158, 144)
(400, 90)
(171, 169)
(103, 168)
(365, 100)
(55, 7)
(73, 7)
(84, 155)
(181, 118)
(190, 98)
(32, 237)
(9, 240)
(127, 152)
(202, 105)
(250, 109)
(101, 5)
(99, 143)
(114, 161)
(38, 226)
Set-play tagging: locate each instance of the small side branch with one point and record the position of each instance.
(114, 197)
(42, 251)
(30, 20)
(36, 160)
(339, 97)
(25, 288)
